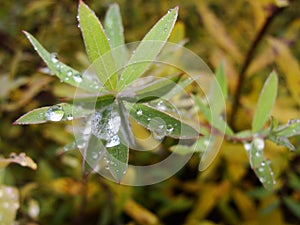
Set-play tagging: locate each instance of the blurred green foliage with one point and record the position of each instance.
(226, 193)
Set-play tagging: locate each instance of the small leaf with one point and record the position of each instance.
(167, 124)
(20, 159)
(216, 121)
(62, 71)
(265, 102)
(218, 91)
(97, 46)
(56, 113)
(289, 130)
(150, 91)
(117, 160)
(115, 34)
(280, 140)
(259, 164)
(148, 49)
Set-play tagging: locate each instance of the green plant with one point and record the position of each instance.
(113, 99)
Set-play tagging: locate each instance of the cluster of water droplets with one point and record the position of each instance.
(70, 74)
(106, 124)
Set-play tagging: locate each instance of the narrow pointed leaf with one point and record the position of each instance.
(55, 113)
(289, 130)
(265, 102)
(148, 49)
(151, 91)
(97, 46)
(93, 102)
(115, 34)
(259, 164)
(218, 91)
(62, 71)
(169, 125)
(125, 129)
(117, 160)
(281, 140)
(92, 153)
(216, 121)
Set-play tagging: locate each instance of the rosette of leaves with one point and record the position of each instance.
(112, 98)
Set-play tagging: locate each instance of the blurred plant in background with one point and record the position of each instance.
(228, 192)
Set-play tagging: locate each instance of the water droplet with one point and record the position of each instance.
(247, 146)
(55, 113)
(262, 179)
(77, 78)
(95, 155)
(165, 29)
(69, 73)
(170, 128)
(139, 112)
(53, 57)
(260, 169)
(113, 141)
(161, 106)
(259, 143)
(69, 117)
(263, 164)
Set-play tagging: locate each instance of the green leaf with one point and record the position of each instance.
(62, 71)
(125, 129)
(115, 34)
(265, 102)
(218, 91)
(289, 130)
(117, 160)
(150, 91)
(55, 113)
(93, 102)
(97, 46)
(148, 49)
(92, 153)
(221, 78)
(293, 205)
(259, 164)
(215, 121)
(161, 123)
(280, 140)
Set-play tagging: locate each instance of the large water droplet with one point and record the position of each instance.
(113, 141)
(106, 123)
(158, 128)
(55, 113)
(139, 112)
(259, 143)
(53, 57)
(247, 146)
(77, 78)
(69, 73)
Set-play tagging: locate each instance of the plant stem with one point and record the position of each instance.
(275, 11)
(83, 201)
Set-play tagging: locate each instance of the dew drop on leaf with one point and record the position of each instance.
(139, 112)
(54, 57)
(77, 78)
(113, 141)
(55, 113)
